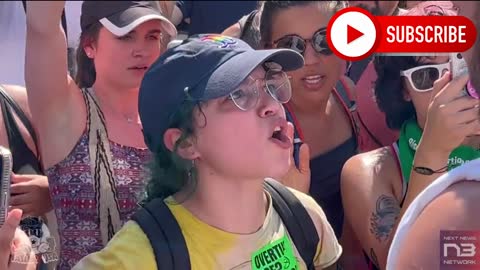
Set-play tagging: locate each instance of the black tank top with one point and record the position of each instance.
(326, 168)
(24, 160)
(325, 181)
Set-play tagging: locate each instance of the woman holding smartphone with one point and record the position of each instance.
(435, 120)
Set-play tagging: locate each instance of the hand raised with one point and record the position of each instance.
(44, 15)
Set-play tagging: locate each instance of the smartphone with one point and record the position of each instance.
(458, 67)
(5, 174)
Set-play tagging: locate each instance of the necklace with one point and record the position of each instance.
(130, 120)
(117, 114)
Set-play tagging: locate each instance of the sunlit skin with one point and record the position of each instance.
(220, 159)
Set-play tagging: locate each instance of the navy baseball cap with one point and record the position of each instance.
(203, 67)
(121, 17)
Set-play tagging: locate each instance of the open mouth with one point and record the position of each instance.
(280, 137)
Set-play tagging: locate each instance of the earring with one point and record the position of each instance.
(192, 165)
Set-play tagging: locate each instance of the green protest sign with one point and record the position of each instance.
(277, 255)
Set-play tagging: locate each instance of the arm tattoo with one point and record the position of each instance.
(384, 217)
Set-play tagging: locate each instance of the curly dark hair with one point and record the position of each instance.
(390, 91)
(170, 173)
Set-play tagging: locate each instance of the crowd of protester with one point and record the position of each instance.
(228, 135)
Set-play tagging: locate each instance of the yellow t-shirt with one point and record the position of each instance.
(211, 248)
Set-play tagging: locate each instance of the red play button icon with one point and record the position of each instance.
(353, 34)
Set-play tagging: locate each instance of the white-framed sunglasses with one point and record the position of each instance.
(421, 78)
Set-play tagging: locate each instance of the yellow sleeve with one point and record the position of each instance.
(128, 249)
(328, 250)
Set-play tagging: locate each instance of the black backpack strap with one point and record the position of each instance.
(296, 219)
(170, 248)
(165, 235)
(21, 115)
(352, 106)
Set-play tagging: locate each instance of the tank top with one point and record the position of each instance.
(77, 192)
(325, 182)
(326, 168)
(26, 162)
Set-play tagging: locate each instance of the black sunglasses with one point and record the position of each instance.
(298, 44)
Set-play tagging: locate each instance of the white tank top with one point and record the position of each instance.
(468, 171)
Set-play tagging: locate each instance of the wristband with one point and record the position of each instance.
(428, 171)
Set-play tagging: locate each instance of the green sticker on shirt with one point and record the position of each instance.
(277, 255)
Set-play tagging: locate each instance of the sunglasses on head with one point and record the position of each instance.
(298, 44)
(421, 78)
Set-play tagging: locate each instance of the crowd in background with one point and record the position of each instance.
(130, 118)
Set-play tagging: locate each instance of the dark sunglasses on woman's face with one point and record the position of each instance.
(298, 44)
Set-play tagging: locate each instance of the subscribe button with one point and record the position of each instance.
(354, 34)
